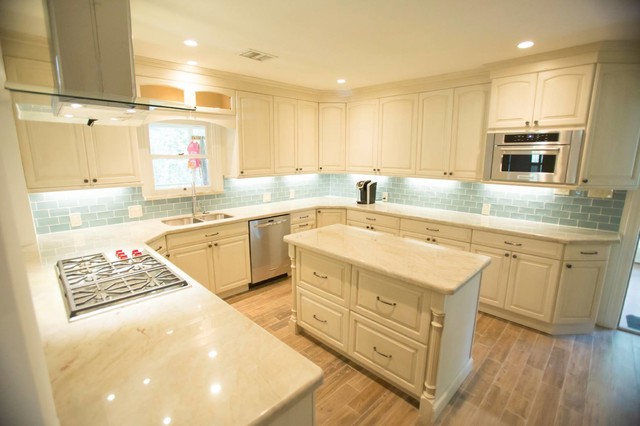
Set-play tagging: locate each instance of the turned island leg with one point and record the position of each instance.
(293, 320)
(428, 398)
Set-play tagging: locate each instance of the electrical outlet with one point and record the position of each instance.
(486, 209)
(292, 194)
(75, 220)
(135, 211)
(385, 196)
(266, 197)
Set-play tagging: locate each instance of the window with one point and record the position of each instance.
(179, 155)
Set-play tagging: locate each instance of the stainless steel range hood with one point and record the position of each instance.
(93, 67)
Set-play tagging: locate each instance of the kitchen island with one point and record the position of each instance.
(403, 309)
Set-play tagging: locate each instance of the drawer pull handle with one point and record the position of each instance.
(318, 319)
(211, 235)
(302, 225)
(380, 353)
(433, 229)
(371, 218)
(590, 253)
(513, 244)
(159, 248)
(303, 217)
(324, 277)
(385, 302)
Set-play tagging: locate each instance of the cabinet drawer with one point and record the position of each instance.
(206, 234)
(442, 242)
(304, 216)
(435, 229)
(305, 226)
(325, 277)
(587, 252)
(519, 244)
(401, 307)
(158, 244)
(374, 219)
(323, 319)
(395, 357)
(386, 230)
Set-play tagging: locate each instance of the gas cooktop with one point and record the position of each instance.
(92, 283)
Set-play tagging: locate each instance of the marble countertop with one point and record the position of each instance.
(184, 355)
(428, 266)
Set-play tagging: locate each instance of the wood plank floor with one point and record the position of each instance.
(520, 376)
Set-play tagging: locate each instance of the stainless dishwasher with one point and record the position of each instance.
(269, 256)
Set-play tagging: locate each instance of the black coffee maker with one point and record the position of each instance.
(366, 192)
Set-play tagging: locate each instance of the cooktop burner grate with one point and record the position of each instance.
(92, 283)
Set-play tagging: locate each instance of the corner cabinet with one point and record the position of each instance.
(557, 97)
(255, 134)
(326, 217)
(58, 156)
(611, 157)
(332, 137)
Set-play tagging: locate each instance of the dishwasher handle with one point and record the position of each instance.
(264, 225)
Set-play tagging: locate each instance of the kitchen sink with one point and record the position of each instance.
(214, 216)
(177, 221)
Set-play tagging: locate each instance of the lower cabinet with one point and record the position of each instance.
(326, 217)
(231, 263)
(374, 222)
(323, 319)
(448, 236)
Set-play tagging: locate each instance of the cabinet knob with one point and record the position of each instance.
(585, 180)
(526, 123)
(215, 244)
(535, 122)
(94, 180)
(86, 181)
(210, 245)
(569, 265)
(514, 256)
(506, 255)
(241, 172)
(450, 173)
(374, 170)
(168, 254)
(428, 239)
(444, 173)
(320, 167)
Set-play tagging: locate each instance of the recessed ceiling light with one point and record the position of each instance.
(191, 43)
(76, 105)
(525, 44)
(68, 115)
(116, 119)
(341, 81)
(131, 111)
(192, 62)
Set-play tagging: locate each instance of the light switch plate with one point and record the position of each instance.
(75, 220)
(486, 209)
(135, 211)
(292, 194)
(266, 197)
(385, 196)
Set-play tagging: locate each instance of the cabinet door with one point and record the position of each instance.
(112, 153)
(53, 155)
(469, 132)
(326, 217)
(196, 261)
(377, 228)
(532, 286)
(255, 115)
(362, 136)
(332, 133)
(579, 292)
(562, 96)
(434, 142)
(284, 134)
(495, 277)
(398, 133)
(612, 145)
(231, 263)
(512, 101)
(307, 147)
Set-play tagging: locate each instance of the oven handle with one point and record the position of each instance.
(532, 149)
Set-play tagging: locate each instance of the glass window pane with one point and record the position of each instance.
(176, 173)
(175, 139)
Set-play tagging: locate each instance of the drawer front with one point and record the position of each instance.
(442, 242)
(305, 216)
(325, 277)
(519, 244)
(158, 244)
(207, 234)
(384, 229)
(587, 252)
(305, 226)
(374, 219)
(395, 357)
(435, 229)
(403, 308)
(323, 319)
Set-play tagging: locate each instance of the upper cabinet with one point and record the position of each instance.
(255, 118)
(59, 156)
(295, 133)
(546, 99)
(332, 135)
(452, 132)
(611, 156)
(382, 135)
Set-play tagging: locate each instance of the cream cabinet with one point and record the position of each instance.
(611, 157)
(69, 156)
(374, 222)
(303, 221)
(452, 132)
(362, 136)
(332, 137)
(546, 99)
(255, 127)
(216, 256)
(329, 216)
(205, 99)
(295, 132)
(436, 233)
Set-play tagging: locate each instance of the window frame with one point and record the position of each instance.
(213, 155)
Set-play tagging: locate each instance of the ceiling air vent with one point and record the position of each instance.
(257, 55)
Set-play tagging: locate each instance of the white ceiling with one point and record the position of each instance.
(367, 42)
